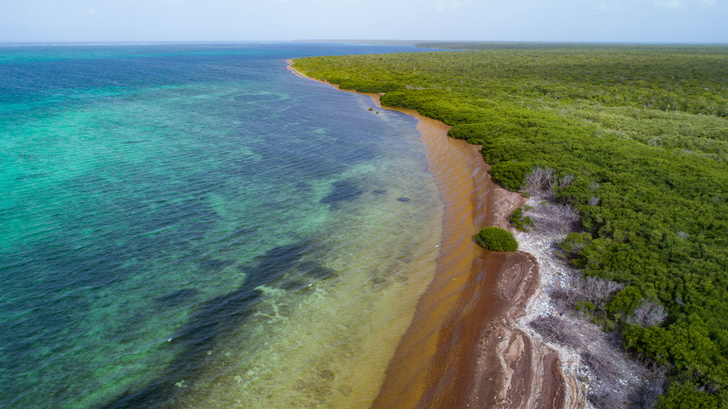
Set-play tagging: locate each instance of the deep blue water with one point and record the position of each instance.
(150, 193)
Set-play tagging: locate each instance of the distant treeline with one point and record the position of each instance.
(637, 138)
(536, 45)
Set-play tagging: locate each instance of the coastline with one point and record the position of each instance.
(464, 347)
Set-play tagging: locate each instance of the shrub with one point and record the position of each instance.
(496, 239)
(369, 86)
(574, 243)
(519, 221)
(510, 175)
(625, 302)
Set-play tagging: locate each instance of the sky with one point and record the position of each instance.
(623, 21)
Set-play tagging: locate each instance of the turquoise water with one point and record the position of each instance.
(175, 215)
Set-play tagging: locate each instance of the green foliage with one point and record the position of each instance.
(510, 175)
(496, 239)
(624, 302)
(574, 243)
(643, 130)
(585, 306)
(369, 86)
(688, 396)
(519, 221)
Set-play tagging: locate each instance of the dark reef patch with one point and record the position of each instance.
(316, 270)
(403, 199)
(213, 264)
(297, 285)
(201, 333)
(307, 273)
(242, 232)
(177, 298)
(345, 190)
(275, 262)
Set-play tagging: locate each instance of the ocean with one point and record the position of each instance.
(192, 225)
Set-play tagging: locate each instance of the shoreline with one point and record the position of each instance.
(464, 347)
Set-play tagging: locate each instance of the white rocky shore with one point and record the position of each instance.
(594, 361)
(554, 274)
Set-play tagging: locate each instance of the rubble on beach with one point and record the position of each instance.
(594, 360)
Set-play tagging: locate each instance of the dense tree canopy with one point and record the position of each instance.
(638, 135)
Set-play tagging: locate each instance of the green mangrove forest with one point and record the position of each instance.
(637, 139)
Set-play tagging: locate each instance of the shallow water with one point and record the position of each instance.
(194, 225)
